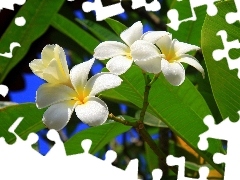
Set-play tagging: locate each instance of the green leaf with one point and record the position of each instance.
(151, 157)
(117, 27)
(100, 136)
(181, 108)
(224, 82)
(99, 31)
(75, 32)
(32, 120)
(190, 31)
(38, 15)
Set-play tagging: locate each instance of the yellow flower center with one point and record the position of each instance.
(129, 56)
(170, 57)
(82, 97)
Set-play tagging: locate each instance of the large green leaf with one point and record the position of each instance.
(100, 136)
(75, 32)
(38, 15)
(181, 108)
(116, 26)
(32, 120)
(224, 82)
(99, 31)
(190, 31)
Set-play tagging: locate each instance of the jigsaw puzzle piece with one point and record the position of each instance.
(9, 4)
(180, 162)
(110, 156)
(232, 17)
(58, 149)
(20, 144)
(173, 14)
(18, 159)
(9, 54)
(216, 131)
(232, 158)
(153, 6)
(219, 54)
(157, 174)
(86, 145)
(101, 11)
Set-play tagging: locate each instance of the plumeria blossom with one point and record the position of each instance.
(80, 95)
(53, 66)
(120, 53)
(169, 54)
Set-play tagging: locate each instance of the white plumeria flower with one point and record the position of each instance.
(63, 99)
(53, 66)
(166, 57)
(120, 54)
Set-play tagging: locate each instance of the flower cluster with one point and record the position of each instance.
(153, 52)
(64, 92)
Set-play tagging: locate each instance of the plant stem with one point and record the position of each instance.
(122, 121)
(145, 99)
(139, 125)
(141, 128)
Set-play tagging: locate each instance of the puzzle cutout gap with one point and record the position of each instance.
(232, 158)
(21, 158)
(232, 17)
(58, 165)
(173, 14)
(116, 9)
(3, 90)
(9, 4)
(180, 162)
(19, 21)
(219, 54)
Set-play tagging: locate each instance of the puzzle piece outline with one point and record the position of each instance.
(180, 162)
(215, 131)
(9, 4)
(231, 17)
(220, 54)
(173, 14)
(103, 12)
(27, 158)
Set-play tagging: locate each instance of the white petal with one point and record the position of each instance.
(109, 49)
(119, 64)
(192, 61)
(94, 112)
(54, 68)
(101, 82)
(37, 67)
(143, 51)
(165, 43)
(53, 73)
(61, 59)
(48, 54)
(48, 94)
(57, 116)
(153, 36)
(173, 72)
(151, 65)
(182, 48)
(79, 74)
(133, 33)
